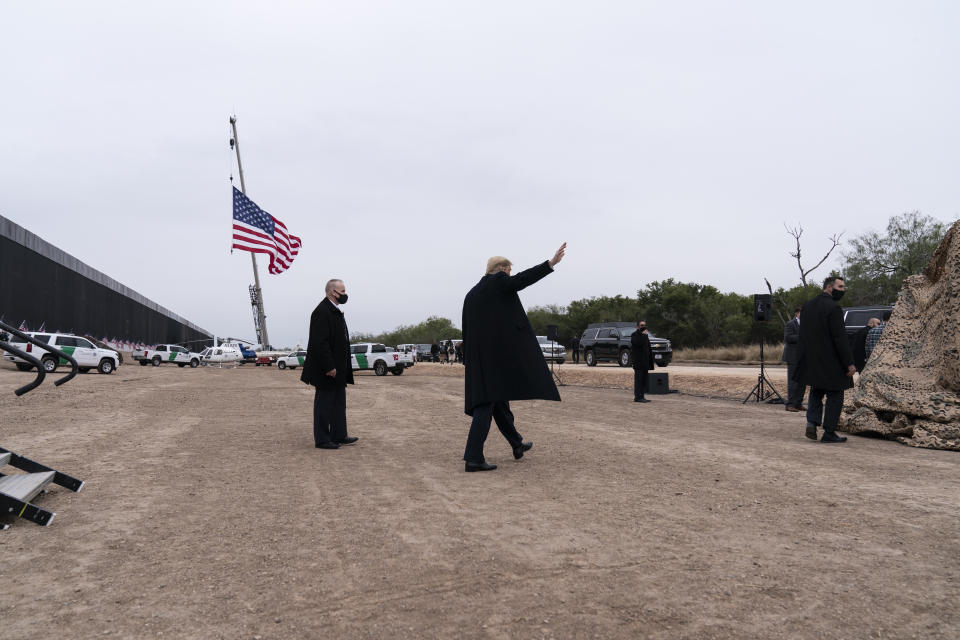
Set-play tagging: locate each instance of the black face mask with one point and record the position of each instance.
(341, 298)
(836, 295)
(643, 329)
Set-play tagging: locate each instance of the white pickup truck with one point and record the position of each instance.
(381, 358)
(180, 356)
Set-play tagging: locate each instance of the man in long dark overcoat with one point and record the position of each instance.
(791, 355)
(502, 358)
(826, 361)
(642, 355)
(327, 367)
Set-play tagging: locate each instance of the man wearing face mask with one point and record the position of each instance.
(826, 360)
(642, 354)
(327, 367)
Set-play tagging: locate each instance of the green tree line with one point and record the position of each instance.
(429, 331)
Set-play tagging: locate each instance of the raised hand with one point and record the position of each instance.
(558, 256)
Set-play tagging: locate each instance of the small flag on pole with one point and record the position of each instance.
(257, 231)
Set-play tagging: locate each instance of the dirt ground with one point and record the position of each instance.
(209, 514)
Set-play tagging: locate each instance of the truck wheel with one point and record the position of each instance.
(83, 369)
(589, 358)
(49, 364)
(380, 368)
(663, 364)
(156, 361)
(624, 359)
(281, 365)
(144, 363)
(194, 363)
(561, 360)
(398, 371)
(106, 366)
(181, 364)
(22, 366)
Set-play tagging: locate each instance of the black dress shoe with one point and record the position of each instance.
(518, 451)
(641, 400)
(327, 445)
(832, 437)
(348, 440)
(479, 466)
(811, 431)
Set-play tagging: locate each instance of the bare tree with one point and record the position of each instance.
(796, 232)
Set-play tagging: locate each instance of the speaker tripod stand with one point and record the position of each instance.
(553, 360)
(763, 391)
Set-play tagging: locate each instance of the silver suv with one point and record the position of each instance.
(552, 350)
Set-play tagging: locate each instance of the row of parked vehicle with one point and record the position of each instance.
(364, 356)
(91, 353)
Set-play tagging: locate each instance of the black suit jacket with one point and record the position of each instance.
(791, 342)
(824, 349)
(503, 359)
(641, 351)
(328, 348)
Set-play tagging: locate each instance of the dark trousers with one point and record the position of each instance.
(576, 355)
(640, 381)
(829, 416)
(482, 414)
(330, 415)
(795, 388)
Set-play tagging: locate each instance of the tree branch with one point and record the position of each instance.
(835, 239)
(796, 232)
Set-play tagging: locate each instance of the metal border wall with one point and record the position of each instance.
(44, 283)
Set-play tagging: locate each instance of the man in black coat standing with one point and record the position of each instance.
(642, 355)
(575, 347)
(791, 355)
(327, 367)
(503, 360)
(826, 361)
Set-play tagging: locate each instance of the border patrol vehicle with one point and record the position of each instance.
(293, 360)
(88, 355)
(365, 356)
(181, 356)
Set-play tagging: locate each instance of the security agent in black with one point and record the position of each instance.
(642, 354)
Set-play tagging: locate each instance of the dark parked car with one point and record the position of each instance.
(855, 318)
(610, 342)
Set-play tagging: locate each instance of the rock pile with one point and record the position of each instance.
(910, 388)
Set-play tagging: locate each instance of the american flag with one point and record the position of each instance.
(257, 231)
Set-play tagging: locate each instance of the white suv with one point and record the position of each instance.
(292, 361)
(88, 355)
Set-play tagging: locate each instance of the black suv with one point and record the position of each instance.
(610, 342)
(855, 318)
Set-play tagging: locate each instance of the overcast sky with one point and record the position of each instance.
(406, 142)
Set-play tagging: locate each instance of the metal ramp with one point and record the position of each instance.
(18, 489)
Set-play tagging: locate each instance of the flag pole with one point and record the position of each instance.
(256, 293)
